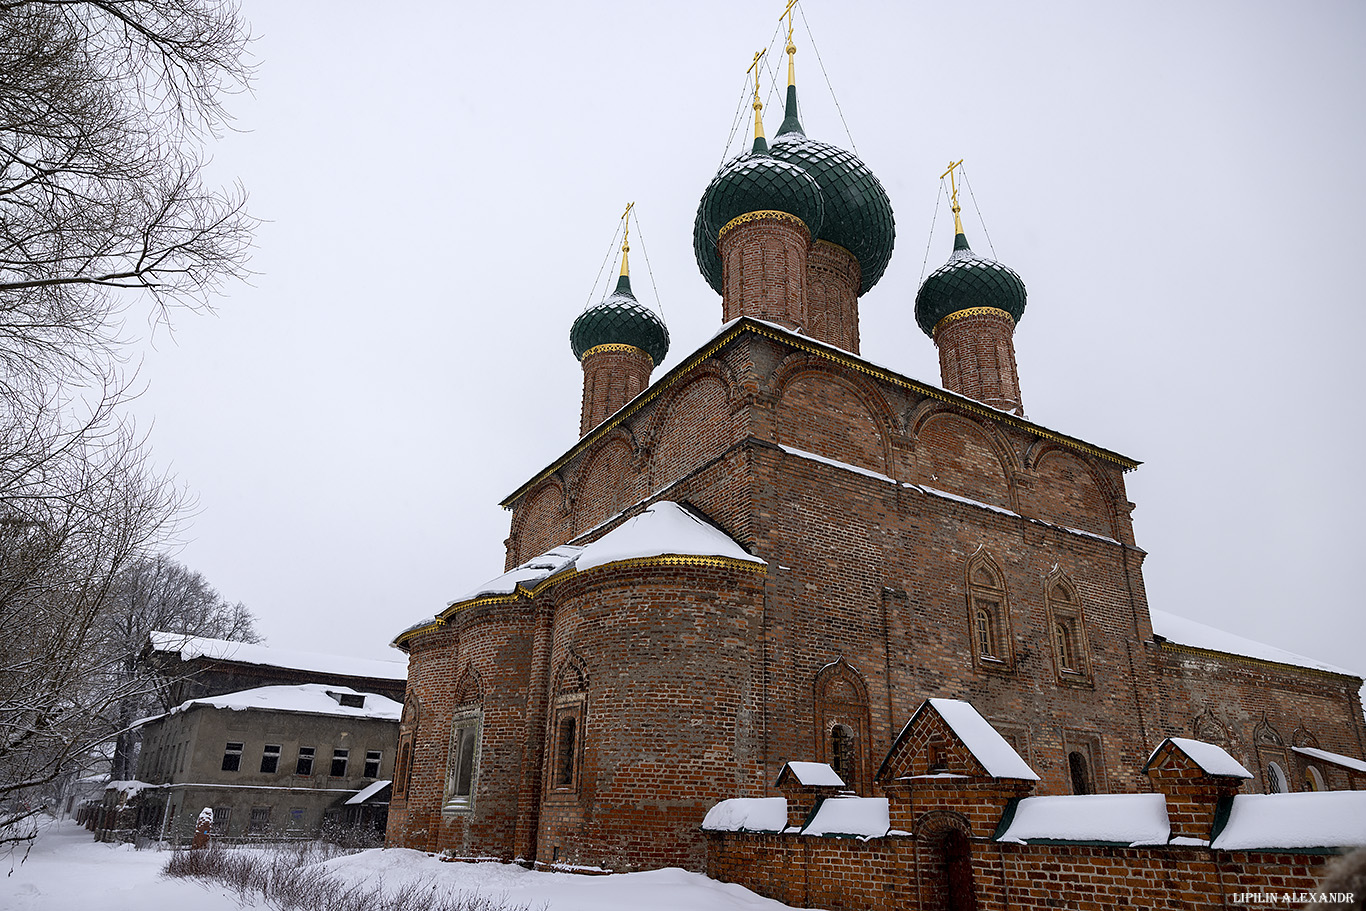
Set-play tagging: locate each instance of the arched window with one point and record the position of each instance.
(565, 752)
(1275, 778)
(842, 752)
(1067, 628)
(840, 700)
(988, 615)
(1313, 781)
(1079, 773)
(568, 732)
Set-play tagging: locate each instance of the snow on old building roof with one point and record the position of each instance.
(747, 814)
(308, 698)
(1347, 762)
(367, 792)
(1127, 819)
(813, 774)
(985, 743)
(189, 647)
(1183, 631)
(1310, 819)
(857, 817)
(1211, 758)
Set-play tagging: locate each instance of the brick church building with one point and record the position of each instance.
(778, 551)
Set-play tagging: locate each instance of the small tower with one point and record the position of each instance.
(619, 342)
(970, 306)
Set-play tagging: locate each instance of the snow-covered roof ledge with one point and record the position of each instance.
(992, 751)
(1182, 632)
(810, 775)
(851, 817)
(1307, 820)
(1112, 819)
(1337, 759)
(747, 814)
(188, 647)
(1211, 758)
(663, 533)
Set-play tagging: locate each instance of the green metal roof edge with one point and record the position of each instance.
(752, 326)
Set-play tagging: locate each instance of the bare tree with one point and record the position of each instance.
(106, 107)
(157, 593)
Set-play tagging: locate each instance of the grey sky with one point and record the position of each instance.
(1179, 184)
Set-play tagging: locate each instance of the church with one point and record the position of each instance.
(778, 551)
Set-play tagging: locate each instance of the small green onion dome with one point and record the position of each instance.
(620, 320)
(753, 182)
(968, 280)
(858, 214)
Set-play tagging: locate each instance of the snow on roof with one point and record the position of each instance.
(984, 742)
(528, 575)
(1310, 819)
(663, 528)
(862, 817)
(747, 814)
(803, 454)
(246, 653)
(1184, 631)
(310, 698)
(367, 792)
(1127, 819)
(1210, 757)
(1347, 762)
(814, 774)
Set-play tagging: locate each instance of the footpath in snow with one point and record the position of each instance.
(68, 871)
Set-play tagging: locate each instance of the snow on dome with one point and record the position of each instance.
(860, 817)
(1347, 762)
(309, 698)
(814, 774)
(529, 574)
(663, 528)
(188, 647)
(747, 814)
(1211, 758)
(1197, 635)
(1310, 819)
(984, 742)
(1126, 819)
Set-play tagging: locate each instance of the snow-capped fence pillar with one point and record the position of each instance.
(202, 827)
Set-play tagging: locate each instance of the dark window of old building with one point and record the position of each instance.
(305, 764)
(842, 752)
(372, 760)
(232, 756)
(403, 766)
(988, 615)
(260, 820)
(270, 758)
(339, 757)
(1275, 778)
(565, 752)
(1080, 774)
(222, 816)
(986, 628)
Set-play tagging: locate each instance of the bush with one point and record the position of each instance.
(289, 878)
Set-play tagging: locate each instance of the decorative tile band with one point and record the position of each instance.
(971, 311)
(774, 214)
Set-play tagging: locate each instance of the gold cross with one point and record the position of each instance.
(953, 185)
(788, 13)
(626, 234)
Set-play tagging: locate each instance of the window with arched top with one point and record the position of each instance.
(1275, 778)
(1067, 630)
(1313, 781)
(840, 699)
(568, 729)
(988, 615)
(1079, 773)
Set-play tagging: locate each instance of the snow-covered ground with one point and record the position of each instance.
(68, 871)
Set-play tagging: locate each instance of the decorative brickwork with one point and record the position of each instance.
(832, 283)
(764, 269)
(977, 357)
(612, 376)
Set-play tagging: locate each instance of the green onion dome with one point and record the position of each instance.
(858, 214)
(753, 182)
(968, 280)
(620, 320)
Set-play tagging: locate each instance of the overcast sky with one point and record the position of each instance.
(1180, 185)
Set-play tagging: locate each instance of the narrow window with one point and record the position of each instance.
(936, 764)
(339, 763)
(1067, 649)
(1313, 781)
(1275, 778)
(401, 768)
(842, 751)
(232, 756)
(564, 760)
(986, 632)
(372, 759)
(462, 767)
(305, 764)
(221, 817)
(260, 820)
(1081, 776)
(270, 759)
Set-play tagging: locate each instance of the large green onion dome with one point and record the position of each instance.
(966, 281)
(858, 214)
(620, 320)
(752, 182)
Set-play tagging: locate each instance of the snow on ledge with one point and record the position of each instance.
(1311, 819)
(856, 817)
(1347, 762)
(307, 698)
(663, 528)
(1127, 819)
(1211, 758)
(189, 647)
(867, 472)
(747, 814)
